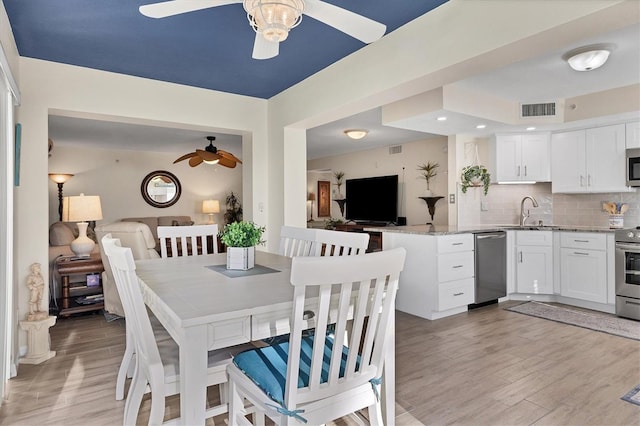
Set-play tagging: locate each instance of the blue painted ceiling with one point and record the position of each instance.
(209, 48)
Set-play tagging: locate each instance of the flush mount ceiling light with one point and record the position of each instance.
(273, 18)
(442, 118)
(356, 133)
(587, 58)
(481, 126)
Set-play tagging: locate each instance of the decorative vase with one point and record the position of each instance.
(616, 221)
(241, 258)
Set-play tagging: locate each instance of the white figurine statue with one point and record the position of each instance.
(35, 282)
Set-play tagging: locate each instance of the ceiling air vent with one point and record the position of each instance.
(538, 110)
(395, 149)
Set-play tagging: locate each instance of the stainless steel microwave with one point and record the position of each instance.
(633, 167)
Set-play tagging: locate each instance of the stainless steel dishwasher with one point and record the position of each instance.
(491, 267)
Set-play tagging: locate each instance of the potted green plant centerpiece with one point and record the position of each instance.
(476, 175)
(241, 239)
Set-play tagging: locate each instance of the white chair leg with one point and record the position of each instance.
(375, 415)
(125, 367)
(134, 398)
(236, 405)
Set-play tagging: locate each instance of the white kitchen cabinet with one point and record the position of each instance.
(438, 276)
(591, 160)
(534, 262)
(583, 266)
(633, 135)
(522, 157)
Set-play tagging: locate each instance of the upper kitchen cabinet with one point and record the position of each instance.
(590, 160)
(633, 135)
(522, 157)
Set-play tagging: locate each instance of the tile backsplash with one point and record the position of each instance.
(502, 206)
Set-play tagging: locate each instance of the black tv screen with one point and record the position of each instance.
(372, 199)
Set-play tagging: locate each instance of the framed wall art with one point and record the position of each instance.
(324, 198)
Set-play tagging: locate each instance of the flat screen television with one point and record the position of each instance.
(372, 199)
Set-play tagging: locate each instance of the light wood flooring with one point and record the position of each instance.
(485, 367)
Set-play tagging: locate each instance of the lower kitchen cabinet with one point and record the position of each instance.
(534, 262)
(583, 266)
(438, 275)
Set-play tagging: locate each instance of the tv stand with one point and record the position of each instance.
(375, 238)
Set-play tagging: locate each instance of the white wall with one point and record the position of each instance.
(378, 162)
(115, 175)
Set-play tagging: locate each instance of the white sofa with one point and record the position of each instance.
(142, 242)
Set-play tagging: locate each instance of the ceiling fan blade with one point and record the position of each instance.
(184, 157)
(177, 7)
(195, 160)
(357, 26)
(264, 49)
(229, 156)
(227, 163)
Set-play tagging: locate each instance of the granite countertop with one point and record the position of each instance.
(448, 230)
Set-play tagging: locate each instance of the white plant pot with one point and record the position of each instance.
(241, 258)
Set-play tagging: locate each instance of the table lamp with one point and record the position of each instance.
(210, 207)
(82, 209)
(60, 179)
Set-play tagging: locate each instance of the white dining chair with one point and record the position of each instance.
(194, 240)
(310, 378)
(156, 362)
(296, 241)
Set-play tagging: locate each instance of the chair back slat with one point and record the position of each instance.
(188, 240)
(347, 293)
(296, 241)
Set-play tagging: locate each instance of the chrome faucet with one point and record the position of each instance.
(524, 216)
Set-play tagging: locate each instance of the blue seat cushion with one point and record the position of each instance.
(267, 366)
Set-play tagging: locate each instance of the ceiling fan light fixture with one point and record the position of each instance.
(356, 133)
(273, 18)
(588, 58)
(211, 162)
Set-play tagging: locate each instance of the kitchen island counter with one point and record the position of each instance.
(452, 229)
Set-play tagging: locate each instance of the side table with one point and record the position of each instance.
(69, 266)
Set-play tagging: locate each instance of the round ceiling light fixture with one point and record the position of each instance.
(588, 58)
(356, 133)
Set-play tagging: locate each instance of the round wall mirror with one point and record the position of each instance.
(160, 189)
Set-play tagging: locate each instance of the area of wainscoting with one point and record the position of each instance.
(501, 205)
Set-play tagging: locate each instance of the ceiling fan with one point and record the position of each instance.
(272, 19)
(210, 155)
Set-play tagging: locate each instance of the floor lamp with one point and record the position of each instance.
(312, 198)
(60, 179)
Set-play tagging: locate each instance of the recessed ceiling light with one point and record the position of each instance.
(442, 118)
(481, 126)
(531, 128)
(587, 58)
(356, 133)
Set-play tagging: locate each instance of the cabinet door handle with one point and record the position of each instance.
(456, 244)
(457, 266)
(580, 241)
(525, 170)
(589, 180)
(458, 294)
(580, 253)
(518, 171)
(581, 180)
(520, 257)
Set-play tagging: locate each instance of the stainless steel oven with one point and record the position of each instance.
(628, 273)
(633, 167)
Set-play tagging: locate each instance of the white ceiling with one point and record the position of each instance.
(541, 79)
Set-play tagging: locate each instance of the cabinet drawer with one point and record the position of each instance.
(534, 238)
(455, 266)
(455, 243)
(455, 294)
(583, 240)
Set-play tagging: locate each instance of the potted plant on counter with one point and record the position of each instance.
(241, 239)
(476, 175)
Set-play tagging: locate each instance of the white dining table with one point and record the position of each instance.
(204, 309)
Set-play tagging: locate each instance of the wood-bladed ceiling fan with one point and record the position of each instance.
(210, 155)
(272, 19)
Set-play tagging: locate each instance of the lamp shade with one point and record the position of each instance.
(81, 208)
(211, 206)
(60, 177)
(312, 197)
